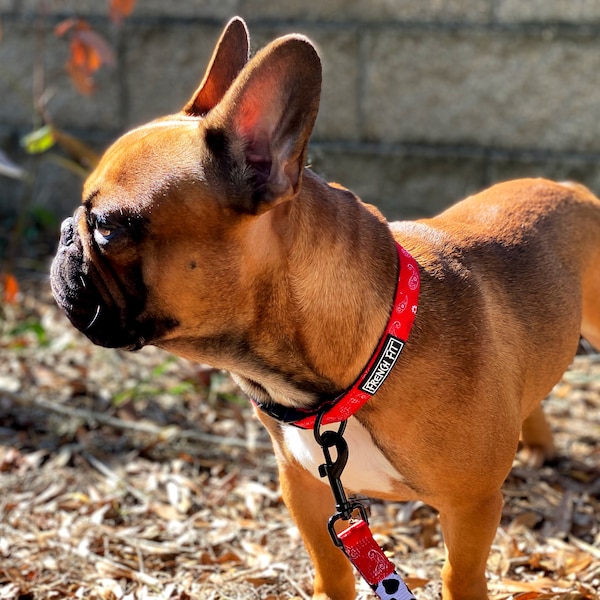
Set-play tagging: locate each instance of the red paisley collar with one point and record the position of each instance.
(380, 364)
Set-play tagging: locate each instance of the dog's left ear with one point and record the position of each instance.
(267, 116)
(228, 59)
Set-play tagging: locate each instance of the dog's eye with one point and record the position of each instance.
(104, 234)
(101, 228)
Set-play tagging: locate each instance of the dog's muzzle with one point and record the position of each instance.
(90, 295)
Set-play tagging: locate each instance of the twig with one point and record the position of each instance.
(296, 587)
(101, 563)
(168, 433)
(581, 545)
(112, 476)
(111, 567)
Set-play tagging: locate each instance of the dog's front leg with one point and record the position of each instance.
(310, 503)
(469, 527)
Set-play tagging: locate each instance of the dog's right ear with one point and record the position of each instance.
(228, 59)
(260, 130)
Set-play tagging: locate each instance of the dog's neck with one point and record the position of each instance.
(321, 351)
(362, 290)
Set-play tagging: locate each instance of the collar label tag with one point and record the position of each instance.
(384, 363)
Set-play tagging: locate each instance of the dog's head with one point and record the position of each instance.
(179, 215)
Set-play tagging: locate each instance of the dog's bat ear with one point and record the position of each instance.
(228, 59)
(268, 115)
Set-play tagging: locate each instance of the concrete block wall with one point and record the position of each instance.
(424, 101)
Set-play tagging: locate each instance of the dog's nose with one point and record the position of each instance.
(66, 232)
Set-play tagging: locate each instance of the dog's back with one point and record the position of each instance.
(526, 256)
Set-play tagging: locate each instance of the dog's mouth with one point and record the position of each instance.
(104, 308)
(100, 321)
(105, 323)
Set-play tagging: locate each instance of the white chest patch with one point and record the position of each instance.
(367, 470)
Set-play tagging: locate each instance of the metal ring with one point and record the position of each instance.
(317, 428)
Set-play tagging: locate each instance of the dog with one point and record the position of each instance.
(204, 233)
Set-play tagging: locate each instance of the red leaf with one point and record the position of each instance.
(78, 56)
(11, 289)
(119, 9)
(81, 79)
(97, 47)
(88, 52)
(64, 26)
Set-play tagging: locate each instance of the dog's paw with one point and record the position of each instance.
(536, 456)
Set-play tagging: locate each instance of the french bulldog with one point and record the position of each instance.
(204, 233)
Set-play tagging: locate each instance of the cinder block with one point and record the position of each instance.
(567, 168)
(340, 56)
(402, 185)
(339, 109)
(67, 107)
(16, 78)
(53, 188)
(164, 67)
(56, 190)
(492, 88)
(11, 198)
(573, 11)
(83, 8)
(371, 11)
(11, 190)
(213, 9)
(7, 6)
(155, 55)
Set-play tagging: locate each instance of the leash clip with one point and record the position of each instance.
(332, 469)
(356, 541)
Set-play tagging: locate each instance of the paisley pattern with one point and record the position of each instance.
(373, 565)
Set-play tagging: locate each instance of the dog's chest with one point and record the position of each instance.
(367, 470)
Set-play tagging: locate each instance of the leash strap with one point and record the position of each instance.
(373, 565)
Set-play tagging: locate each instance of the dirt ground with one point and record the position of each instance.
(134, 476)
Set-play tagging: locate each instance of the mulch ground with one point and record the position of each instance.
(134, 476)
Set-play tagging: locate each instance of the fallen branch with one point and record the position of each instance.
(170, 433)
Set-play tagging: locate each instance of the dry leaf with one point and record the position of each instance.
(414, 583)
(166, 512)
(119, 9)
(88, 51)
(11, 289)
(236, 539)
(93, 50)
(81, 79)
(258, 555)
